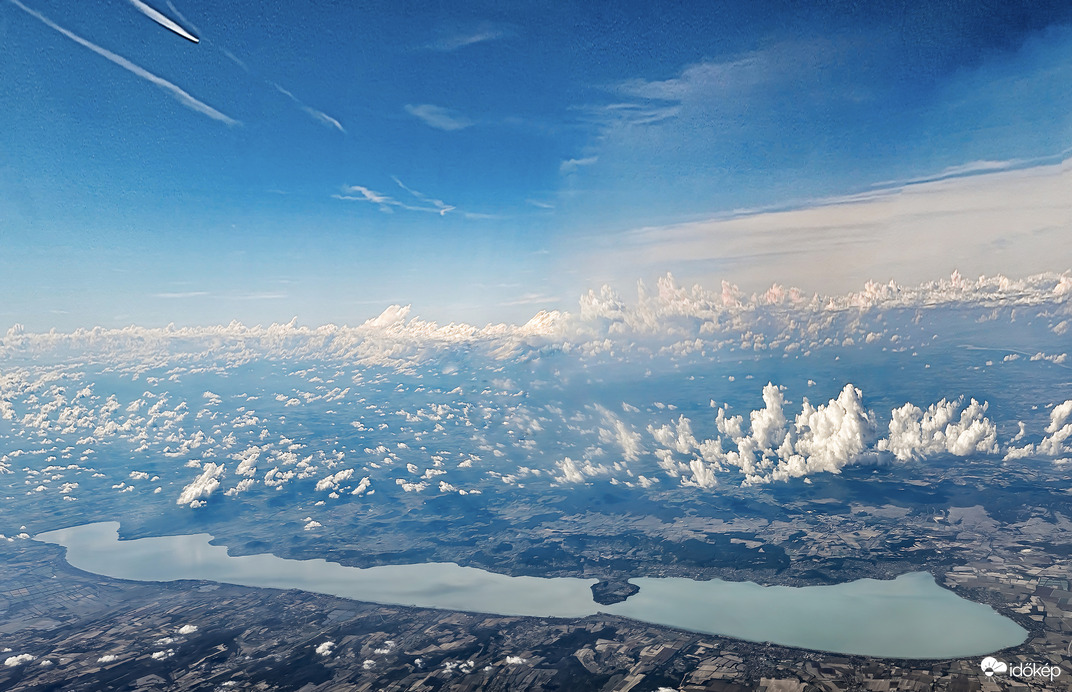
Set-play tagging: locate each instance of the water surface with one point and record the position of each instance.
(907, 617)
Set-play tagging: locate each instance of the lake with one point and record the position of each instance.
(907, 617)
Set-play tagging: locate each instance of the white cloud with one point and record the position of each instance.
(202, 486)
(437, 204)
(915, 433)
(819, 439)
(319, 116)
(621, 433)
(360, 193)
(570, 472)
(187, 629)
(107, 658)
(332, 482)
(1007, 221)
(12, 661)
(438, 117)
(325, 648)
(482, 34)
(1059, 431)
(828, 437)
(571, 165)
(176, 93)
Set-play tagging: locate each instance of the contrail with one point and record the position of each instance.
(320, 116)
(163, 20)
(177, 93)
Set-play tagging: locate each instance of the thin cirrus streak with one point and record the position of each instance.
(176, 92)
(163, 20)
(319, 116)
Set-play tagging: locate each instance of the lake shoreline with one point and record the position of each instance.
(888, 619)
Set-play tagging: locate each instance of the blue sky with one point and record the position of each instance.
(327, 160)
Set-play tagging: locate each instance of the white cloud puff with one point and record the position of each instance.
(203, 486)
(332, 482)
(572, 472)
(915, 433)
(362, 486)
(12, 661)
(828, 437)
(1059, 430)
(821, 439)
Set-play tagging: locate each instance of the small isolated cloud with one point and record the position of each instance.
(438, 117)
(187, 629)
(461, 39)
(107, 658)
(12, 661)
(332, 482)
(202, 486)
(325, 649)
(161, 655)
(571, 165)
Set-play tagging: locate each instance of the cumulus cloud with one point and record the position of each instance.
(325, 648)
(1059, 430)
(12, 661)
(187, 629)
(203, 486)
(570, 472)
(576, 472)
(821, 439)
(915, 433)
(332, 482)
(620, 433)
(828, 437)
